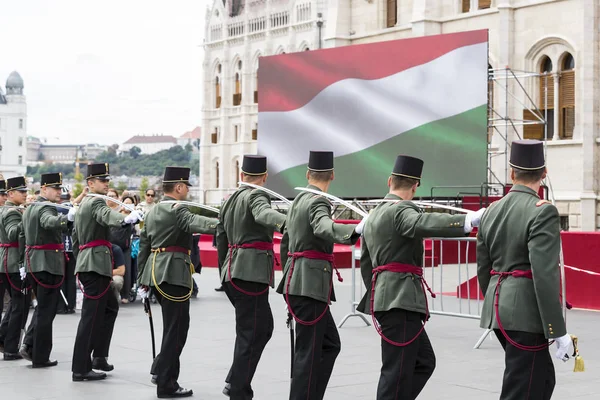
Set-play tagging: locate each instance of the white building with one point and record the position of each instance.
(190, 137)
(236, 36)
(557, 38)
(149, 144)
(13, 127)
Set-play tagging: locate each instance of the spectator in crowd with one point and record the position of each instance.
(146, 205)
(118, 271)
(113, 194)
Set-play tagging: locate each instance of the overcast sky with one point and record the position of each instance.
(100, 72)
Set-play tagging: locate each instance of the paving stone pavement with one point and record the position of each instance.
(461, 373)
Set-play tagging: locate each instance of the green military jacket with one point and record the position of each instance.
(247, 217)
(309, 227)
(11, 225)
(168, 225)
(518, 233)
(394, 232)
(43, 225)
(92, 222)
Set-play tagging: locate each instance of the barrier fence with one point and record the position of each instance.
(450, 269)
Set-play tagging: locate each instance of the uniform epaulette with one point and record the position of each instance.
(542, 202)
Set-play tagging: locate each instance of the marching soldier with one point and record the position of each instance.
(45, 264)
(245, 247)
(307, 283)
(2, 289)
(518, 246)
(165, 266)
(94, 271)
(392, 270)
(11, 265)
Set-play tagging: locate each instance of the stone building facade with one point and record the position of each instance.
(552, 46)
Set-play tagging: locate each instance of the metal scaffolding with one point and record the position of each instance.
(513, 87)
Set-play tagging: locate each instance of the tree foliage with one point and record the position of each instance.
(125, 164)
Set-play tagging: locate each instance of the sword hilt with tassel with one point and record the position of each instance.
(579, 365)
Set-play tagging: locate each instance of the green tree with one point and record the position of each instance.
(135, 152)
(144, 186)
(78, 187)
(111, 185)
(189, 148)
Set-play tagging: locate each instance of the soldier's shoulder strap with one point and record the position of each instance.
(542, 202)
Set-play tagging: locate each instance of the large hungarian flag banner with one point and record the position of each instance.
(425, 97)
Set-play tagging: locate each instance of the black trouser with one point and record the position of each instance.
(97, 321)
(39, 333)
(253, 328)
(527, 374)
(69, 286)
(176, 322)
(16, 318)
(317, 347)
(128, 277)
(405, 369)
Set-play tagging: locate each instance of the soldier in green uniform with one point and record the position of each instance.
(166, 267)
(245, 248)
(392, 270)
(11, 264)
(518, 247)
(94, 270)
(307, 283)
(2, 289)
(45, 265)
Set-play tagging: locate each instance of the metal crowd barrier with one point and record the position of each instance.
(439, 278)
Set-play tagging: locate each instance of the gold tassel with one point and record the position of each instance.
(579, 365)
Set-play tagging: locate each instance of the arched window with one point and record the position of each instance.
(237, 96)
(391, 13)
(256, 90)
(217, 174)
(546, 81)
(566, 97)
(545, 104)
(217, 92)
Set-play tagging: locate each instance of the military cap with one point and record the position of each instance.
(51, 180)
(527, 155)
(16, 183)
(177, 175)
(254, 165)
(2, 186)
(408, 167)
(99, 170)
(320, 161)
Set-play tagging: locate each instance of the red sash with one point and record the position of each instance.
(92, 244)
(313, 255)
(515, 274)
(266, 246)
(51, 247)
(399, 268)
(5, 262)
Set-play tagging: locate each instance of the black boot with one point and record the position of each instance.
(181, 392)
(101, 364)
(49, 363)
(88, 376)
(26, 352)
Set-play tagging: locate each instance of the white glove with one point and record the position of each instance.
(133, 217)
(71, 214)
(563, 347)
(22, 272)
(473, 219)
(142, 292)
(361, 225)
